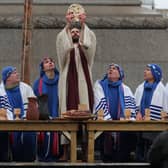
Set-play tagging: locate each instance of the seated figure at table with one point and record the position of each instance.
(113, 97)
(14, 94)
(47, 84)
(149, 95)
(158, 152)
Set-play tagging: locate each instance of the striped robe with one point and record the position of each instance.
(158, 102)
(20, 140)
(101, 102)
(25, 90)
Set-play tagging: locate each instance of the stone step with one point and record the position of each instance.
(94, 8)
(86, 2)
(68, 164)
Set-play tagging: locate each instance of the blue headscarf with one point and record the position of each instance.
(6, 71)
(44, 85)
(114, 94)
(149, 88)
(156, 72)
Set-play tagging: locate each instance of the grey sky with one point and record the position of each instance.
(161, 4)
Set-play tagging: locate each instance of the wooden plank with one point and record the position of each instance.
(26, 43)
(46, 125)
(73, 146)
(90, 146)
(127, 125)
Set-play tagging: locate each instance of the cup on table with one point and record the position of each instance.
(127, 114)
(163, 115)
(3, 115)
(101, 114)
(82, 107)
(17, 113)
(147, 114)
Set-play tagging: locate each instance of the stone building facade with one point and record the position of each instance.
(127, 34)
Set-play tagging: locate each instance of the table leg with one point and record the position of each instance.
(73, 146)
(90, 146)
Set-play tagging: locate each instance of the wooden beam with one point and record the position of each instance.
(26, 43)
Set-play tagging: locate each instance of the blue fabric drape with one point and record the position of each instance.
(49, 87)
(15, 99)
(149, 89)
(115, 97)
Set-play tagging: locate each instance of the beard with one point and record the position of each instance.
(75, 39)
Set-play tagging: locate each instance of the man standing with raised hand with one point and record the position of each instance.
(76, 46)
(113, 97)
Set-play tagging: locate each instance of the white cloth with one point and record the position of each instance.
(100, 102)
(158, 103)
(63, 46)
(25, 90)
(166, 99)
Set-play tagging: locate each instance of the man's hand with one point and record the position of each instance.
(82, 18)
(69, 17)
(138, 116)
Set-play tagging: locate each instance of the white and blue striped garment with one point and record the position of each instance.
(26, 91)
(100, 102)
(158, 103)
(4, 103)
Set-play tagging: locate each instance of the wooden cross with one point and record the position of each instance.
(26, 43)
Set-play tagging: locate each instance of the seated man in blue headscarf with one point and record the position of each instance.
(15, 94)
(47, 84)
(113, 97)
(149, 95)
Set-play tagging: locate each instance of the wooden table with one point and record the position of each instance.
(46, 125)
(95, 128)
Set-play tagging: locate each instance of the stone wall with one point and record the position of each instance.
(129, 40)
(131, 48)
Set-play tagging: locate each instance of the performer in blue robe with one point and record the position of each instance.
(14, 94)
(47, 84)
(113, 97)
(150, 94)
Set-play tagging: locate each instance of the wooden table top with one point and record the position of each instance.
(72, 125)
(126, 125)
(38, 125)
